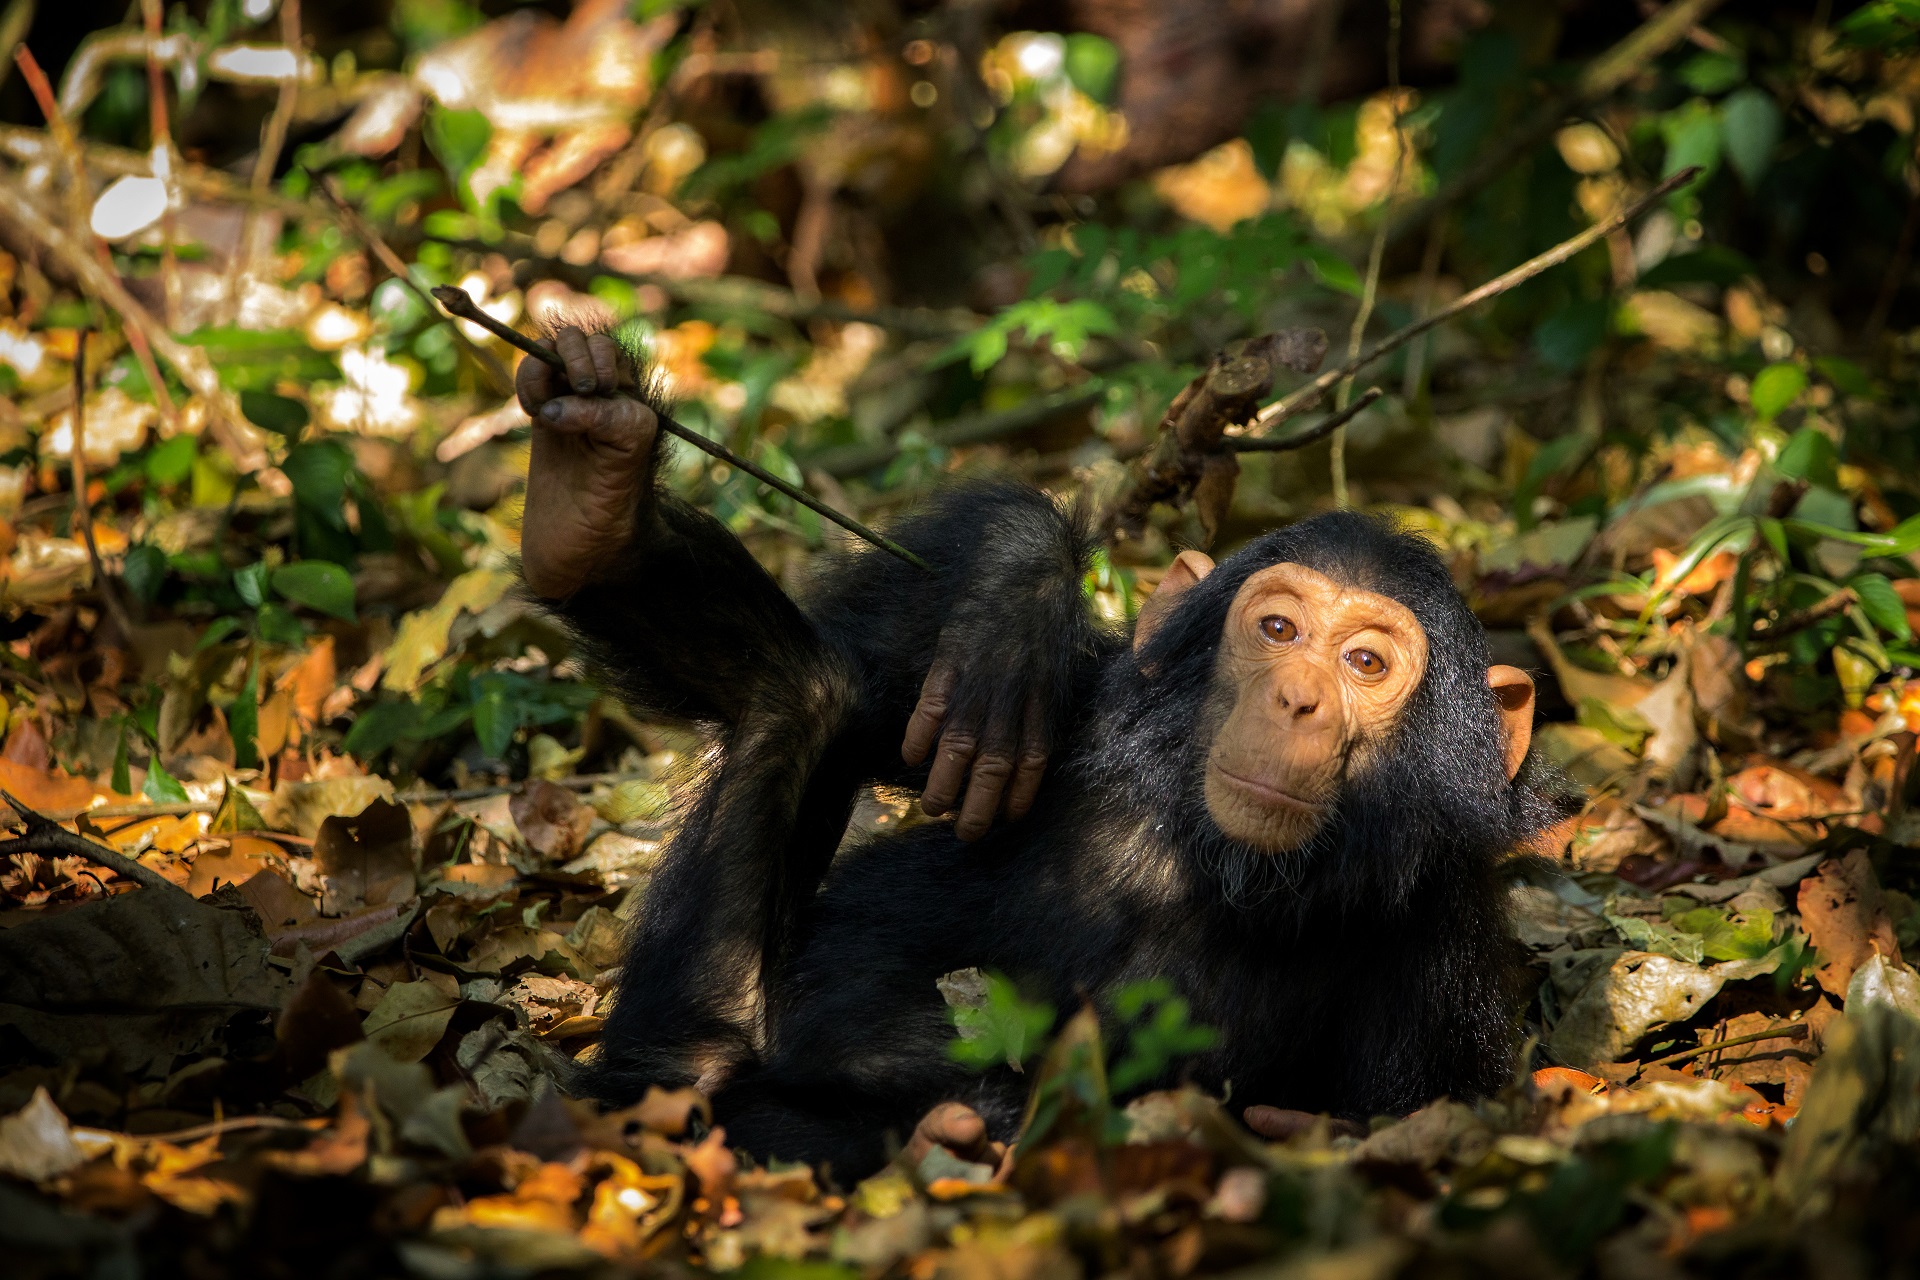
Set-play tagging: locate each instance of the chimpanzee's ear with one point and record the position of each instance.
(1513, 690)
(1187, 568)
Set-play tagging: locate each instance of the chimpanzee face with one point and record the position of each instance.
(1311, 677)
(1317, 674)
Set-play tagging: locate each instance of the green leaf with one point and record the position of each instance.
(1332, 270)
(1709, 264)
(122, 780)
(494, 718)
(1775, 387)
(162, 787)
(318, 471)
(1569, 336)
(243, 721)
(251, 583)
(1645, 935)
(1092, 66)
(1808, 455)
(274, 413)
(319, 585)
(1692, 134)
(275, 624)
(1750, 124)
(144, 571)
(1003, 1028)
(1882, 605)
(1848, 378)
(458, 138)
(379, 727)
(1747, 936)
(1711, 72)
(171, 461)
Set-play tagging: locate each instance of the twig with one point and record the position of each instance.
(1416, 373)
(231, 1124)
(140, 327)
(741, 293)
(29, 146)
(1600, 78)
(1786, 1031)
(14, 24)
(979, 428)
(1318, 431)
(459, 304)
(183, 808)
(273, 136)
(160, 145)
(488, 364)
(1837, 601)
(1370, 291)
(49, 839)
(82, 508)
(68, 145)
(1285, 407)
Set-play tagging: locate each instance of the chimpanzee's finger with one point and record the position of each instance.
(623, 425)
(936, 695)
(606, 360)
(572, 346)
(950, 763)
(1031, 763)
(952, 1125)
(534, 382)
(987, 783)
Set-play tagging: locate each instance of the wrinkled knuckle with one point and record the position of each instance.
(958, 746)
(993, 768)
(1033, 757)
(935, 705)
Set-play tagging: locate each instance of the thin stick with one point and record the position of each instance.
(82, 508)
(459, 304)
(182, 808)
(273, 136)
(160, 144)
(1318, 431)
(1789, 1031)
(1370, 292)
(488, 364)
(71, 153)
(1305, 397)
(46, 837)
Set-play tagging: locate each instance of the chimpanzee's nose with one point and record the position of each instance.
(1302, 699)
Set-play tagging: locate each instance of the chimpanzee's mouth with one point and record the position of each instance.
(1272, 794)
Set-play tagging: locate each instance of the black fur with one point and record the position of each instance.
(1364, 975)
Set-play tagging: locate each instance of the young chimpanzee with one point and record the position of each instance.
(1289, 793)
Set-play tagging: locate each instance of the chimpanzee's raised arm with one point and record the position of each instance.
(661, 596)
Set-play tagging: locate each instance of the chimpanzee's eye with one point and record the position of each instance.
(1366, 662)
(1279, 630)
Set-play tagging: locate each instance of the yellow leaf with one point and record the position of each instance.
(423, 636)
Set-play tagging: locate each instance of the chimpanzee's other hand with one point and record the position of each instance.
(989, 741)
(592, 462)
(1278, 1124)
(959, 1129)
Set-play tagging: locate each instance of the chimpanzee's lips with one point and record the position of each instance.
(1272, 794)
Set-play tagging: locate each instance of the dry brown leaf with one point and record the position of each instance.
(551, 818)
(1845, 914)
